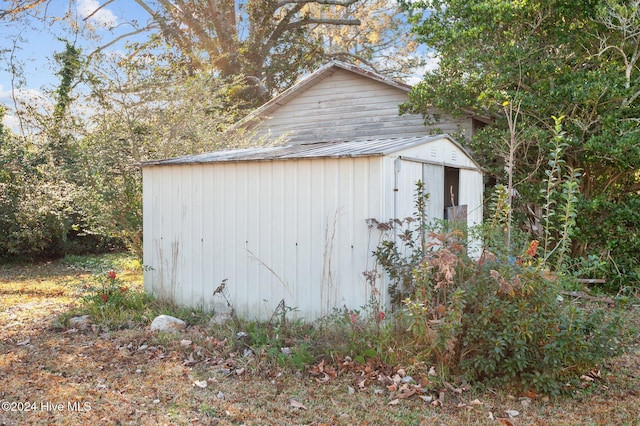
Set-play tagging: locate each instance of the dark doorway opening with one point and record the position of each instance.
(451, 186)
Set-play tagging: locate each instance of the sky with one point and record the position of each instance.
(32, 43)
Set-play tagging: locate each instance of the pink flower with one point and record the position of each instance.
(381, 315)
(111, 275)
(104, 298)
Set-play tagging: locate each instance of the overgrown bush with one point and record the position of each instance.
(496, 320)
(615, 240)
(514, 329)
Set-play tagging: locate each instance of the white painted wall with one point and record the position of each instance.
(287, 229)
(292, 230)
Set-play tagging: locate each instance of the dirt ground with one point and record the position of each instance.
(51, 374)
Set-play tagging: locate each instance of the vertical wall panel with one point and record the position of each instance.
(207, 233)
(215, 232)
(410, 172)
(471, 194)
(149, 224)
(433, 176)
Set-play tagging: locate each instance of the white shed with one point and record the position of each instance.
(290, 222)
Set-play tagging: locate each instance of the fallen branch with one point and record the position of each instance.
(591, 281)
(583, 295)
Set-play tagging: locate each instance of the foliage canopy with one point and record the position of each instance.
(577, 59)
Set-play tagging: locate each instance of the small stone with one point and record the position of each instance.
(80, 323)
(512, 413)
(167, 323)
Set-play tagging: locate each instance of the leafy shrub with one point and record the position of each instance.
(400, 260)
(615, 238)
(515, 330)
(496, 320)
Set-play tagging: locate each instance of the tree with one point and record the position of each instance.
(577, 59)
(203, 64)
(382, 42)
(17, 7)
(271, 43)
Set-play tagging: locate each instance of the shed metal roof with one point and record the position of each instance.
(367, 148)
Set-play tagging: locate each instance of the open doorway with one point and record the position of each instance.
(454, 213)
(451, 187)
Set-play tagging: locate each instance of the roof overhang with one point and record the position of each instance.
(350, 149)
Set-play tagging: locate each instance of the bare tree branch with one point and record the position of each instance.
(171, 32)
(122, 36)
(325, 2)
(311, 21)
(20, 7)
(105, 4)
(282, 26)
(344, 55)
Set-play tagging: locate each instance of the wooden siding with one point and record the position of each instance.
(347, 106)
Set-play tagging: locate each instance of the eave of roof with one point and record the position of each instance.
(367, 148)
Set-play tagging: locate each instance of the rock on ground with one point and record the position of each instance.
(80, 323)
(167, 323)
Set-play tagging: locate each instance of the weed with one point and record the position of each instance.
(111, 303)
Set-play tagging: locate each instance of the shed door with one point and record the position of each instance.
(407, 174)
(433, 178)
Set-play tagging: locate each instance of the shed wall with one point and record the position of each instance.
(347, 106)
(292, 230)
